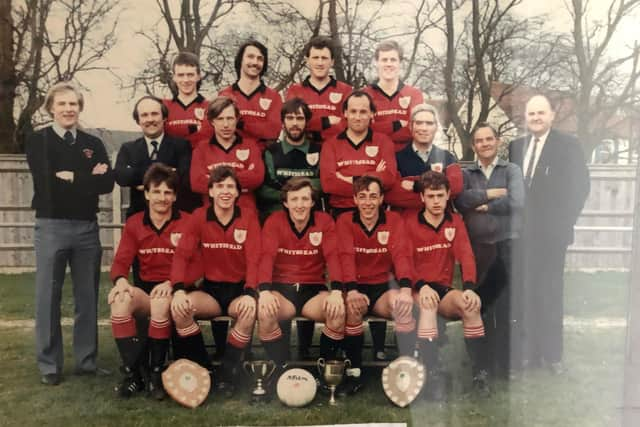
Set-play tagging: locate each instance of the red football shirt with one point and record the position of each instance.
(188, 121)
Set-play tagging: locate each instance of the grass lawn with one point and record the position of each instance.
(590, 394)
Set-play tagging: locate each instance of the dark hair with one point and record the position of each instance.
(363, 182)
(359, 94)
(432, 180)
(163, 108)
(220, 173)
(386, 46)
(237, 63)
(186, 58)
(293, 106)
(483, 125)
(297, 183)
(321, 42)
(159, 173)
(218, 105)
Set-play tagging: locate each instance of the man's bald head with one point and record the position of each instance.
(539, 115)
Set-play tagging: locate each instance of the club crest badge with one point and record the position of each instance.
(371, 150)
(175, 238)
(335, 97)
(265, 103)
(199, 113)
(383, 237)
(437, 167)
(450, 233)
(240, 235)
(88, 153)
(312, 158)
(243, 154)
(404, 101)
(315, 238)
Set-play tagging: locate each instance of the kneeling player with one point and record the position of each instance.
(372, 245)
(297, 244)
(230, 242)
(439, 239)
(151, 236)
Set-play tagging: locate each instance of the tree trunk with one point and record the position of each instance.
(8, 80)
(338, 65)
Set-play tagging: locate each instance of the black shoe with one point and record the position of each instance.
(350, 386)
(50, 379)
(304, 353)
(225, 385)
(155, 389)
(435, 389)
(481, 383)
(379, 355)
(98, 372)
(131, 383)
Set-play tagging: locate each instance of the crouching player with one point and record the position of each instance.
(373, 244)
(151, 236)
(297, 244)
(229, 238)
(439, 239)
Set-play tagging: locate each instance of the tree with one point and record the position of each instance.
(49, 41)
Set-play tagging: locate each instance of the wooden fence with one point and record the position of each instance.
(602, 235)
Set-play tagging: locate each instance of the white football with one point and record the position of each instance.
(296, 387)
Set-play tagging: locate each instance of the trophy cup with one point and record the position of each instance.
(260, 371)
(332, 371)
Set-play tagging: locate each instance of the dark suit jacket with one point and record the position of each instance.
(558, 190)
(133, 161)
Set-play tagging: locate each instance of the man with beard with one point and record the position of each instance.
(258, 104)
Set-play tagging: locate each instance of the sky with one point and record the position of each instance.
(108, 106)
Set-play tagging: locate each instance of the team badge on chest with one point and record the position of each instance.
(437, 167)
(175, 238)
(371, 150)
(383, 237)
(315, 238)
(450, 233)
(265, 103)
(242, 155)
(312, 158)
(404, 101)
(335, 97)
(199, 113)
(240, 235)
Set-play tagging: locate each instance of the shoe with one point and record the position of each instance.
(98, 372)
(557, 368)
(131, 383)
(379, 355)
(225, 385)
(435, 390)
(350, 386)
(481, 383)
(304, 353)
(155, 389)
(50, 379)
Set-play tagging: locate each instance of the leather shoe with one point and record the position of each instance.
(50, 379)
(98, 372)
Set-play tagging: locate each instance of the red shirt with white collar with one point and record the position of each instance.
(259, 112)
(188, 121)
(243, 156)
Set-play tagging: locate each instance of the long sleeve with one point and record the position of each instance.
(89, 183)
(464, 253)
(514, 200)
(331, 184)
(199, 172)
(330, 253)
(270, 242)
(127, 174)
(187, 246)
(346, 248)
(127, 249)
(401, 254)
(252, 176)
(389, 175)
(252, 252)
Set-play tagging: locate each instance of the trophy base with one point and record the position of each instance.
(257, 399)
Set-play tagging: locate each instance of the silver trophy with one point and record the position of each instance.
(260, 371)
(332, 371)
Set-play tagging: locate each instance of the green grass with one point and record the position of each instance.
(590, 394)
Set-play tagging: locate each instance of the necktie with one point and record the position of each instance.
(68, 137)
(154, 153)
(527, 179)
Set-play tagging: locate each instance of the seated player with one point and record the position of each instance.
(229, 238)
(373, 244)
(439, 238)
(151, 236)
(299, 243)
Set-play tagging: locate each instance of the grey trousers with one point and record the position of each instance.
(59, 242)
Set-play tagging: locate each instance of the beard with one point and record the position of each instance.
(295, 138)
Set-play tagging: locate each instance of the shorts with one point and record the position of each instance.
(223, 292)
(299, 295)
(373, 292)
(147, 287)
(442, 290)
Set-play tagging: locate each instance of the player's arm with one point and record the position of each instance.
(330, 253)
(463, 253)
(329, 180)
(401, 254)
(252, 250)
(253, 174)
(389, 173)
(127, 174)
(199, 175)
(184, 253)
(346, 250)
(127, 250)
(455, 176)
(269, 248)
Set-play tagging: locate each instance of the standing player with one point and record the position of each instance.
(321, 91)
(151, 236)
(373, 248)
(299, 244)
(226, 147)
(229, 237)
(70, 169)
(393, 99)
(357, 151)
(420, 156)
(259, 105)
(439, 238)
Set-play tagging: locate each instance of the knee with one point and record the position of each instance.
(121, 308)
(265, 317)
(181, 320)
(337, 324)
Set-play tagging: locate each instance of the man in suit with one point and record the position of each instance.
(135, 157)
(557, 185)
(70, 169)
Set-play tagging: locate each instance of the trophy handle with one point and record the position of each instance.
(245, 366)
(320, 366)
(347, 364)
(271, 369)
